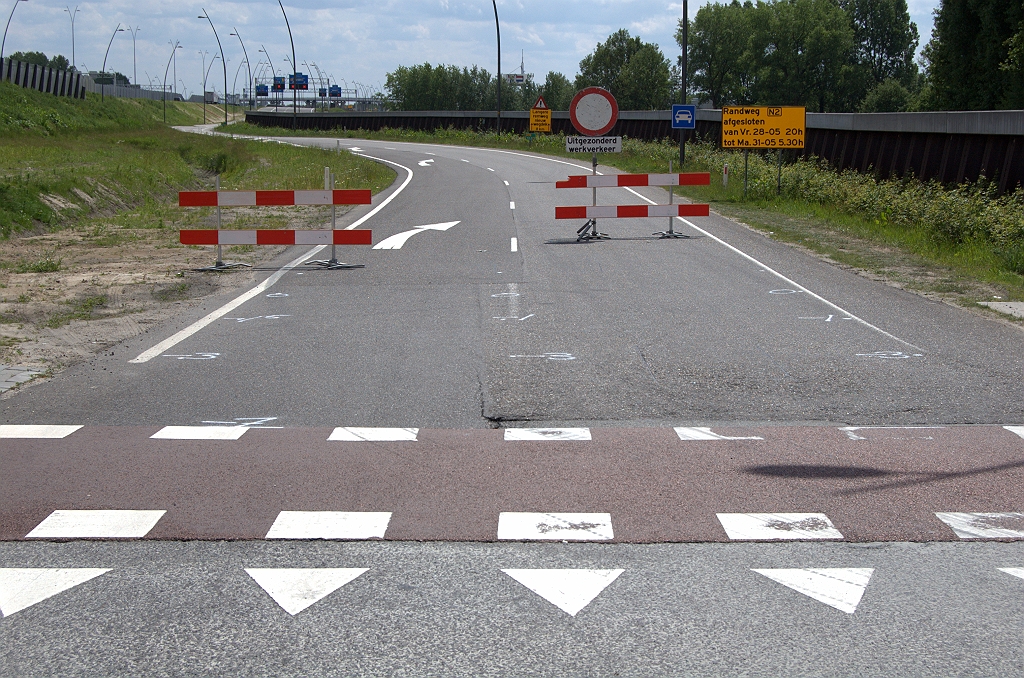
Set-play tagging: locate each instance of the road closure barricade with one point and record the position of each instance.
(327, 197)
(594, 212)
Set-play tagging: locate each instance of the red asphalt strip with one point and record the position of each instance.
(452, 485)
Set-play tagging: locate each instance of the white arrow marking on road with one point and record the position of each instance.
(568, 590)
(1013, 571)
(426, 163)
(396, 241)
(24, 587)
(296, 589)
(838, 587)
(356, 149)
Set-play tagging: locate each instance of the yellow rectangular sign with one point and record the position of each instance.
(763, 126)
(540, 119)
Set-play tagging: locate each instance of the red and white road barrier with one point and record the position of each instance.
(631, 211)
(271, 198)
(621, 180)
(276, 237)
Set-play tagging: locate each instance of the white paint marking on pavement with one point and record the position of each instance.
(200, 433)
(506, 183)
(396, 241)
(838, 587)
(778, 526)
(38, 432)
(515, 248)
(429, 162)
(96, 525)
(387, 201)
(547, 434)
(1013, 571)
(489, 169)
(555, 527)
(985, 525)
(329, 525)
(704, 433)
(463, 160)
(21, 588)
(512, 205)
(851, 431)
(1019, 430)
(181, 336)
(374, 435)
(568, 590)
(295, 589)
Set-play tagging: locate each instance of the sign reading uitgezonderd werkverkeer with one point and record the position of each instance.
(763, 126)
(593, 144)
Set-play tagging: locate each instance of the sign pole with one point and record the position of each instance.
(746, 166)
(682, 132)
(216, 185)
(779, 188)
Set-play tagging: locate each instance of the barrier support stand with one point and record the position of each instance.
(221, 265)
(589, 230)
(333, 264)
(670, 233)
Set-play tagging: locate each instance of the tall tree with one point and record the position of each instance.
(641, 86)
(717, 43)
(557, 91)
(971, 41)
(885, 39)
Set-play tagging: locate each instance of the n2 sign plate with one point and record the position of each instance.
(684, 116)
(763, 126)
(594, 111)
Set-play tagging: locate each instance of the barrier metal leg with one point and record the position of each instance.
(221, 265)
(670, 233)
(332, 264)
(589, 230)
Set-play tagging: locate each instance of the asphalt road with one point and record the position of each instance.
(503, 322)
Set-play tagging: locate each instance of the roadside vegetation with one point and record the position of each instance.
(89, 218)
(963, 243)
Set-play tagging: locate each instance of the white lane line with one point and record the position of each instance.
(96, 525)
(200, 433)
(512, 205)
(36, 432)
(985, 525)
(515, 248)
(366, 217)
(464, 160)
(181, 336)
(489, 169)
(335, 525)
(374, 435)
(721, 242)
(778, 526)
(547, 434)
(704, 433)
(555, 527)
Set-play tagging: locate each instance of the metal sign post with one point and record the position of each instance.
(671, 233)
(333, 264)
(593, 112)
(221, 265)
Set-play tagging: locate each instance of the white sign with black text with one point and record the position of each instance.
(593, 144)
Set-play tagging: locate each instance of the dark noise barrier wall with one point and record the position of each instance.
(951, 147)
(47, 80)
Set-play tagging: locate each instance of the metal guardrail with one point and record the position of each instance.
(950, 147)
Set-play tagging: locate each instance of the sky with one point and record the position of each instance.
(350, 40)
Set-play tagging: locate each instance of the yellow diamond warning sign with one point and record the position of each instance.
(763, 126)
(540, 116)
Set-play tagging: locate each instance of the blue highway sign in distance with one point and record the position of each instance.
(684, 117)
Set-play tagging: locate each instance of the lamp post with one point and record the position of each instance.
(174, 51)
(135, 63)
(72, 14)
(224, 63)
(497, 27)
(206, 77)
(273, 73)
(4, 42)
(103, 87)
(295, 92)
(252, 95)
(686, 35)
(234, 84)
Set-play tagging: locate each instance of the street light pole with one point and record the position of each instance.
(273, 73)
(103, 87)
(4, 42)
(135, 62)
(72, 14)
(497, 27)
(205, 79)
(248, 68)
(295, 91)
(686, 36)
(223, 61)
(174, 51)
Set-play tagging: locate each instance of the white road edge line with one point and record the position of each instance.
(181, 336)
(515, 244)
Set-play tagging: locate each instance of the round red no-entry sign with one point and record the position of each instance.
(594, 111)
